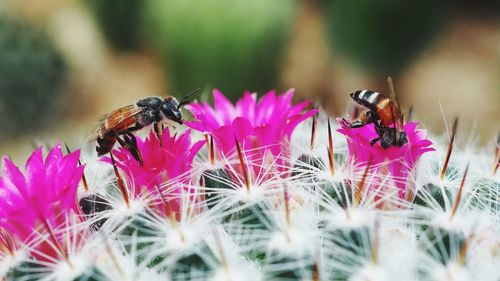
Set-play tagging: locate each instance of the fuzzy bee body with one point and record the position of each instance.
(120, 123)
(384, 113)
(377, 103)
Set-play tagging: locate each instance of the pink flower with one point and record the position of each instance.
(40, 199)
(259, 126)
(398, 162)
(172, 159)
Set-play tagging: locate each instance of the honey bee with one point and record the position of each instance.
(120, 124)
(384, 113)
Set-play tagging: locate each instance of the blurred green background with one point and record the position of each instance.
(65, 63)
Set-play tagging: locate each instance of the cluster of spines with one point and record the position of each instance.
(316, 221)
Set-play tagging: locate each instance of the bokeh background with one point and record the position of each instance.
(65, 63)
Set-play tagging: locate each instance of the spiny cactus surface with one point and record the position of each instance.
(263, 189)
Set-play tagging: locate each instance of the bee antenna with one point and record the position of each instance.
(185, 100)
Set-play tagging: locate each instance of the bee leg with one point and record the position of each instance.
(375, 140)
(123, 143)
(380, 131)
(366, 117)
(356, 124)
(158, 132)
(385, 144)
(130, 144)
(388, 138)
(403, 139)
(132, 141)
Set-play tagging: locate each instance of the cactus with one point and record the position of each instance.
(260, 197)
(120, 22)
(381, 36)
(223, 43)
(33, 77)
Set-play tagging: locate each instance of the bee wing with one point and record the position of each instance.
(397, 116)
(119, 119)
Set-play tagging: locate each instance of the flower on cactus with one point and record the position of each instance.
(260, 126)
(396, 162)
(41, 201)
(186, 220)
(166, 161)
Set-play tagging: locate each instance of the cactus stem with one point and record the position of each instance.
(119, 181)
(57, 245)
(315, 272)
(211, 149)
(361, 185)
(172, 219)
(464, 249)
(170, 215)
(114, 260)
(84, 179)
(165, 206)
(313, 131)
(375, 246)
(244, 170)
(331, 159)
(496, 163)
(450, 148)
(458, 198)
(207, 141)
(287, 204)
(223, 259)
(6, 242)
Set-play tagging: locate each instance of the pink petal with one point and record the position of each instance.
(35, 175)
(242, 128)
(246, 106)
(223, 107)
(14, 176)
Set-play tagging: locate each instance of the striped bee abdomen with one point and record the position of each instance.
(369, 99)
(377, 103)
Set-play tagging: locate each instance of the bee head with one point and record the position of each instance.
(170, 110)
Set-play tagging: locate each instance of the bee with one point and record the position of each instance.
(120, 124)
(384, 113)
